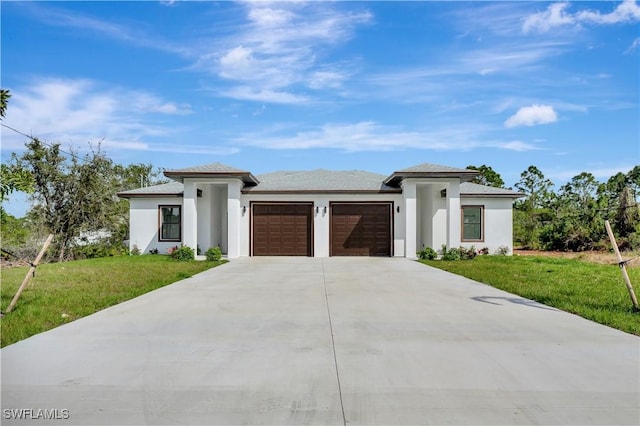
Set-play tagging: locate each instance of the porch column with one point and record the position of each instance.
(453, 215)
(233, 218)
(410, 209)
(190, 215)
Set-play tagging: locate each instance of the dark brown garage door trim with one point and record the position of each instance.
(391, 220)
(252, 204)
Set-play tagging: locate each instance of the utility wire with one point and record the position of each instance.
(50, 145)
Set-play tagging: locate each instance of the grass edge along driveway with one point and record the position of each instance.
(592, 291)
(63, 292)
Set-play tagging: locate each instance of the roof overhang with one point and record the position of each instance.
(489, 195)
(247, 178)
(321, 191)
(155, 194)
(397, 177)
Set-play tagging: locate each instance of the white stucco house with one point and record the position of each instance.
(320, 213)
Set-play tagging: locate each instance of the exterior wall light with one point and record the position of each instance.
(325, 209)
(398, 209)
(244, 209)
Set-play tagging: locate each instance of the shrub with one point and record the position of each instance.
(153, 251)
(483, 251)
(183, 253)
(214, 254)
(135, 251)
(503, 250)
(467, 254)
(427, 253)
(451, 254)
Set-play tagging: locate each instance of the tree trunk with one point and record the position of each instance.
(62, 249)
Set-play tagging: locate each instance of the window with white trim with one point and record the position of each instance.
(472, 223)
(170, 223)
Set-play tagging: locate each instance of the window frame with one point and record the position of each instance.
(161, 222)
(482, 221)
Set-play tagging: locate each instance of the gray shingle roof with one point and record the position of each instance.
(213, 169)
(321, 181)
(427, 170)
(473, 189)
(209, 168)
(318, 181)
(170, 189)
(432, 168)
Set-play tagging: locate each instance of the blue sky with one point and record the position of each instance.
(375, 86)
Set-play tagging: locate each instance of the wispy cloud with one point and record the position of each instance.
(635, 44)
(531, 116)
(371, 136)
(277, 54)
(599, 172)
(75, 112)
(557, 15)
(87, 24)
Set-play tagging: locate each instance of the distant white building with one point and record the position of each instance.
(320, 213)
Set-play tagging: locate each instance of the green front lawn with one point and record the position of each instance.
(63, 292)
(593, 291)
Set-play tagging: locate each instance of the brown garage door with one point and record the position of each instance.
(281, 229)
(361, 229)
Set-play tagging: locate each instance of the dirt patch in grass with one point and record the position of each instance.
(601, 257)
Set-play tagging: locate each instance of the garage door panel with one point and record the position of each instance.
(361, 229)
(281, 229)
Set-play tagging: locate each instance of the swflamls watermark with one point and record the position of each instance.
(35, 414)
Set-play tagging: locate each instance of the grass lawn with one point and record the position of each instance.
(63, 292)
(593, 291)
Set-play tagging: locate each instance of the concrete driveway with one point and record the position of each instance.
(325, 341)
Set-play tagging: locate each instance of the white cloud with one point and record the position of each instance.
(556, 15)
(64, 18)
(279, 51)
(74, 112)
(635, 44)
(531, 116)
(516, 146)
(600, 173)
(371, 136)
(627, 11)
(248, 93)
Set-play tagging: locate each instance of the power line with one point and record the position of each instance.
(50, 145)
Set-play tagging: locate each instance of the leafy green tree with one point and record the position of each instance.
(71, 195)
(533, 211)
(488, 176)
(578, 221)
(628, 214)
(12, 177)
(13, 231)
(4, 100)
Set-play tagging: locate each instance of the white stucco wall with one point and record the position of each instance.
(321, 219)
(144, 223)
(498, 223)
(227, 224)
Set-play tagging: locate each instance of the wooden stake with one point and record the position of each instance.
(30, 273)
(622, 265)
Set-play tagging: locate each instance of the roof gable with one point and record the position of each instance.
(469, 189)
(321, 181)
(428, 170)
(171, 189)
(213, 170)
